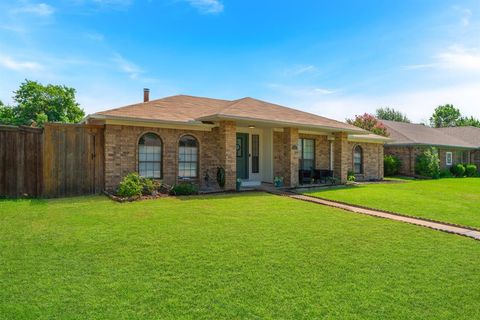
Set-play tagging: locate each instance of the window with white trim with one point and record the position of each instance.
(188, 157)
(150, 156)
(306, 154)
(358, 160)
(448, 158)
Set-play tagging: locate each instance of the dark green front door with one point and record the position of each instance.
(242, 155)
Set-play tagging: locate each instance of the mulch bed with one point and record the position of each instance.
(138, 198)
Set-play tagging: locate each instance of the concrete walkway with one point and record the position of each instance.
(383, 214)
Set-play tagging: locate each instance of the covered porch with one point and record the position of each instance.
(291, 156)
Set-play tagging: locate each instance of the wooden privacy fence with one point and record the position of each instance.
(20, 161)
(59, 160)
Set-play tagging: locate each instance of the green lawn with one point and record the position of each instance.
(449, 200)
(255, 256)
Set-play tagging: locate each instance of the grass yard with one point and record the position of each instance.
(449, 200)
(255, 256)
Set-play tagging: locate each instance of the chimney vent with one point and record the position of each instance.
(146, 95)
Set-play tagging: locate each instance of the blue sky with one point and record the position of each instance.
(334, 58)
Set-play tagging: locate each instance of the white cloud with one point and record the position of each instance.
(417, 104)
(300, 70)
(113, 3)
(460, 58)
(16, 65)
(94, 36)
(39, 9)
(207, 6)
(126, 66)
(465, 15)
(456, 58)
(300, 91)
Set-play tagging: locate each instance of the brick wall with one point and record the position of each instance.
(408, 156)
(475, 158)
(217, 148)
(341, 156)
(322, 152)
(373, 156)
(121, 153)
(372, 160)
(290, 156)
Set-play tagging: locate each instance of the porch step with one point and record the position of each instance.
(250, 183)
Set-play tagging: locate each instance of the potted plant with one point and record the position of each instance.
(238, 184)
(278, 182)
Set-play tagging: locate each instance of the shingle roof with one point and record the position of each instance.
(368, 137)
(403, 133)
(188, 109)
(468, 134)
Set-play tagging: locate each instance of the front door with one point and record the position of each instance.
(242, 155)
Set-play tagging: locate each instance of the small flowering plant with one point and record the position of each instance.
(278, 182)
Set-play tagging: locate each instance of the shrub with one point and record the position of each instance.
(427, 164)
(471, 170)
(446, 174)
(148, 186)
(458, 170)
(391, 165)
(351, 176)
(184, 189)
(130, 186)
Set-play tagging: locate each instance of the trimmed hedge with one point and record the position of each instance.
(471, 170)
(184, 189)
(458, 170)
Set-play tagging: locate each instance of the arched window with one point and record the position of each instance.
(188, 157)
(357, 160)
(150, 156)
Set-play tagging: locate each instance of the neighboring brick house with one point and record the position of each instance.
(409, 140)
(469, 134)
(185, 138)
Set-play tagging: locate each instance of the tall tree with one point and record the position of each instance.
(38, 103)
(386, 113)
(369, 123)
(7, 115)
(468, 121)
(445, 116)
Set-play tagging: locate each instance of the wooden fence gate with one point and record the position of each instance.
(60, 160)
(20, 161)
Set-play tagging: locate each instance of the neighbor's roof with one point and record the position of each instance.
(403, 133)
(469, 134)
(191, 110)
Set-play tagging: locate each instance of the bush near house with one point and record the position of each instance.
(446, 173)
(184, 189)
(133, 185)
(471, 170)
(351, 176)
(458, 170)
(130, 186)
(428, 164)
(391, 165)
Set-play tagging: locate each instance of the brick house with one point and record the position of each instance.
(185, 138)
(409, 140)
(469, 134)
